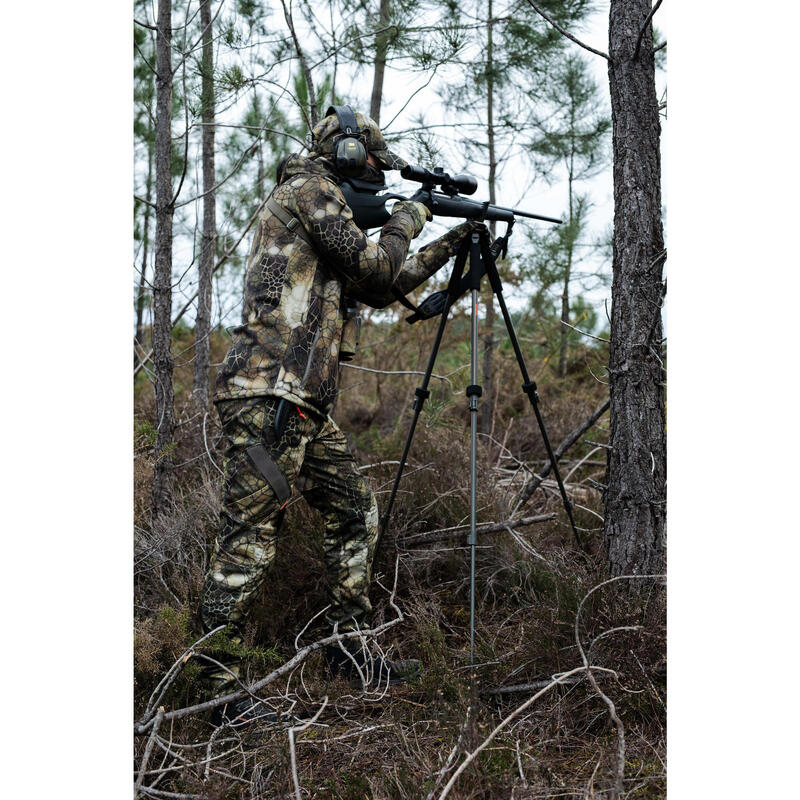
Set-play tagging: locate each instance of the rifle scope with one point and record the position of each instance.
(465, 184)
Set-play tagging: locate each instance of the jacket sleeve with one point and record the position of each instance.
(365, 265)
(416, 270)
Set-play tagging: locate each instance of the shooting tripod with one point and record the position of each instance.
(481, 262)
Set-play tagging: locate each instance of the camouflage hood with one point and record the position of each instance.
(297, 164)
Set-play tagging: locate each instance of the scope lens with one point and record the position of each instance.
(465, 184)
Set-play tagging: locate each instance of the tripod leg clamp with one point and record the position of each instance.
(530, 390)
(421, 395)
(473, 393)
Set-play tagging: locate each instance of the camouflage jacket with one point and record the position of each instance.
(288, 342)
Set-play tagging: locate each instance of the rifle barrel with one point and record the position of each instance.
(529, 214)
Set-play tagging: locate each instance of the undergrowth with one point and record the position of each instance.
(406, 745)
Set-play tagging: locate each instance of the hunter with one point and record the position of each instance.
(309, 264)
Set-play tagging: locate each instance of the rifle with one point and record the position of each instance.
(369, 207)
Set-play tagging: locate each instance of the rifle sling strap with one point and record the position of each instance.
(403, 300)
(269, 469)
(290, 221)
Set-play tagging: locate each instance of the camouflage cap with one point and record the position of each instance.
(327, 129)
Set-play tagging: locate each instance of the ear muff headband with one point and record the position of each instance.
(346, 117)
(349, 147)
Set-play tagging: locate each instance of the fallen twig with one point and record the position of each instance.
(528, 687)
(147, 750)
(172, 673)
(442, 534)
(290, 665)
(286, 668)
(573, 437)
(513, 715)
(292, 754)
(448, 763)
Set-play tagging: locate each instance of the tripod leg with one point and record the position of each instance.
(528, 386)
(422, 393)
(474, 391)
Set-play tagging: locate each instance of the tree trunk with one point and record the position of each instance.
(261, 174)
(562, 353)
(162, 283)
(636, 493)
(202, 326)
(487, 405)
(381, 48)
(312, 95)
(140, 292)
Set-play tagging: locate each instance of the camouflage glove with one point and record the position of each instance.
(419, 213)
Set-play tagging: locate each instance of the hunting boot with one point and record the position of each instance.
(247, 710)
(358, 666)
(221, 679)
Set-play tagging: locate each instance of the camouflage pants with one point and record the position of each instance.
(313, 455)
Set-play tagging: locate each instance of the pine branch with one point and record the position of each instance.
(566, 33)
(144, 58)
(560, 450)
(145, 25)
(644, 28)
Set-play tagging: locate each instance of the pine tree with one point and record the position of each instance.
(635, 495)
(144, 136)
(571, 134)
(162, 283)
(382, 38)
(202, 328)
(504, 71)
(635, 506)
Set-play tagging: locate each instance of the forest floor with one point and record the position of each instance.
(543, 608)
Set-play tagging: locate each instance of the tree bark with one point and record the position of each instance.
(162, 283)
(487, 404)
(202, 327)
(140, 292)
(381, 48)
(636, 493)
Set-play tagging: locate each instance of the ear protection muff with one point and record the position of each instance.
(350, 146)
